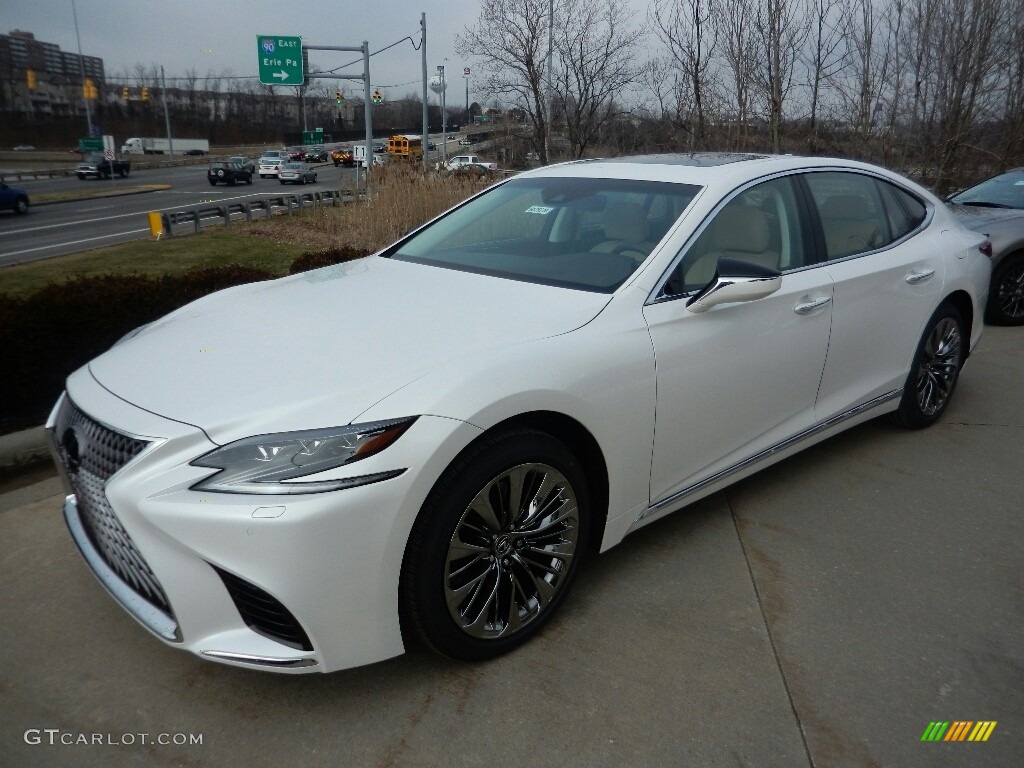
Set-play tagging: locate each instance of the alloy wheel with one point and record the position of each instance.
(939, 366)
(511, 551)
(1010, 292)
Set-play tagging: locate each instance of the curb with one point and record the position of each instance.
(22, 448)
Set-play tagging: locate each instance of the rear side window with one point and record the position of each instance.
(906, 212)
(853, 218)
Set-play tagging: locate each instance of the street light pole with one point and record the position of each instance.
(81, 70)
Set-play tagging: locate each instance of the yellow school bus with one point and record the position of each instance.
(406, 147)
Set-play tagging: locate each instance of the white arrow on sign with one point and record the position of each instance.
(282, 74)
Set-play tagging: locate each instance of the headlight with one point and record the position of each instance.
(266, 463)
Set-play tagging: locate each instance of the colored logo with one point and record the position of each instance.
(959, 730)
(268, 46)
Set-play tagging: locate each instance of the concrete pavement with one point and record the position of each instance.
(820, 613)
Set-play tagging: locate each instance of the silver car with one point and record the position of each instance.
(297, 173)
(995, 207)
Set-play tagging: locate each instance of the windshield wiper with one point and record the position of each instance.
(982, 204)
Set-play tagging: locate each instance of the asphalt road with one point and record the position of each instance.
(60, 228)
(821, 613)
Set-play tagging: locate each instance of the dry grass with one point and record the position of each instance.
(403, 197)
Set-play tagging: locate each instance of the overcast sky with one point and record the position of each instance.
(218, 35)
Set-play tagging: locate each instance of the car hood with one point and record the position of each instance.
(978, 217)
(319, 348)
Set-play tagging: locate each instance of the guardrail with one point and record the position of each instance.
(265, 207)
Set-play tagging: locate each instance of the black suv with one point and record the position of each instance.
(229, 173)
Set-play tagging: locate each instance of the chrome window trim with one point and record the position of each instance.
(152, 618)
(789, 442)
(655, 296)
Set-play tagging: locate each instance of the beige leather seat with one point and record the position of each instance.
(738, 232)
(849, 225)
(626, 230)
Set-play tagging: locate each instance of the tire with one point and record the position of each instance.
(220, 174)
(21, 205)
(123, 173)
(248, 179)
(283, 183)
(1006, 293)
(213, 182)
(478, 582)
(935, 371)
(314, 178)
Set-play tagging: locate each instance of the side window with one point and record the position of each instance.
(761, 225)
(906, 212)
(849, 205)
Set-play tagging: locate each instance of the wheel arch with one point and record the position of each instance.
(579, 440)
(961, 301)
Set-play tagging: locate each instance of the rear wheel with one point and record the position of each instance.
(935, 371)
(213, 182)
(496, 546)
(21, 205)
(1006, 293)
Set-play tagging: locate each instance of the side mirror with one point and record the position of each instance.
(735, 280)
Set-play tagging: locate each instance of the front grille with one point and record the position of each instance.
(91, 454)
(263, 613)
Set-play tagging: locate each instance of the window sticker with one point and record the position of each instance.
(541, 209)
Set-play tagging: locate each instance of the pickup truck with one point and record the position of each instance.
(98, 167)
(460, 161)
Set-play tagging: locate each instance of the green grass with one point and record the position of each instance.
(152, 258)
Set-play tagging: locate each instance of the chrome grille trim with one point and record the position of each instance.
(101, 452)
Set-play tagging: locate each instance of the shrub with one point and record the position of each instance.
(53, 332)
(315, 260)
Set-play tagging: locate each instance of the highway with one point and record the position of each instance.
(60, 228)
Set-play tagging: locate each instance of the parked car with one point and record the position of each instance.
(380, 148)
(13, 199)
(476, 170)
(270, 166)
(194, 152)
(276, 502)
(24, 148)
(245, 161)
(1005, 229)
(228, 173)
(296, 173)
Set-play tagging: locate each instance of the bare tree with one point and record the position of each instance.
(780, 27)
(510, 39)
(826, 55)
(595, 45)
(686, 29)
(738, 46)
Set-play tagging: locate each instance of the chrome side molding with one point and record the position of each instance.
(277, 662)
(767, 453)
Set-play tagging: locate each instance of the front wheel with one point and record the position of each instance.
(496, 546)
(936, 368)
(1006, 294)
(21, 205)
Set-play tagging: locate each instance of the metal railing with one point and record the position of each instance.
(250, 210)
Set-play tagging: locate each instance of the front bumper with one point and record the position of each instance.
(329, 561)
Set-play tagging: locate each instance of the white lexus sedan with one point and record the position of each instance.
(285, 475)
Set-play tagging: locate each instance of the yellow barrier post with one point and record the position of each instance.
(156, 224)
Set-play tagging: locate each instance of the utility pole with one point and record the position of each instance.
(551, 95)
(423, 53)
(167, 116)
(81, 71)
(444, 115)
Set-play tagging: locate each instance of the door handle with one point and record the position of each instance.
(919, 277)
(807, 308)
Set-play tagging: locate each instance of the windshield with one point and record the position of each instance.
(588, 234)
(1003, 191)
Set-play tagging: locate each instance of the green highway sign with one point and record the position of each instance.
(280, 60)
(90, 144)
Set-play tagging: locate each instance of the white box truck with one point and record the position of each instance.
(148, 146)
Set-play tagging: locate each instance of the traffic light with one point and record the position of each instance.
(377, 98)
(144, 93)
(89, 90)
(337, 97)
(30, 79)
(124, 92)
